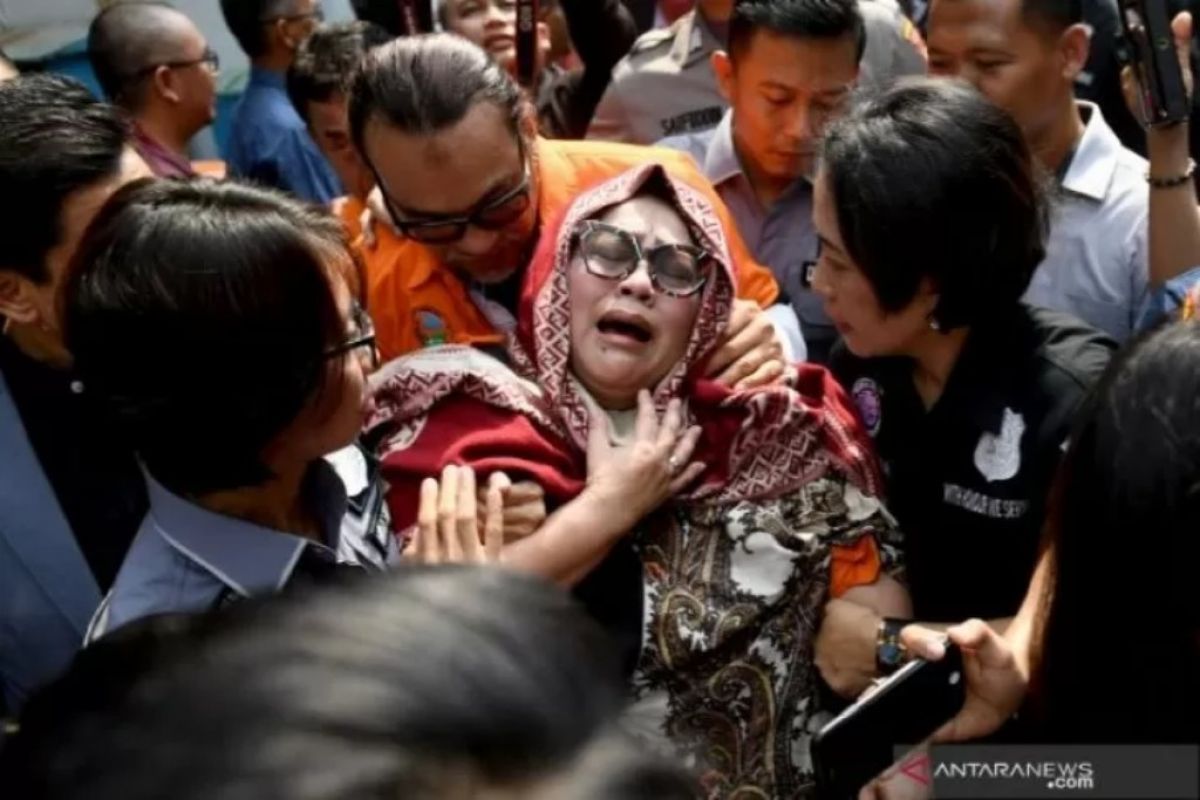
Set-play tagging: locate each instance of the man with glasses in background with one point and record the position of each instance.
(270, 143)
(154, 63)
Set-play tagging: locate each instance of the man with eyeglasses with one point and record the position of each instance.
(788, 71)
(269, 142)
(154, 63)
(467, 181)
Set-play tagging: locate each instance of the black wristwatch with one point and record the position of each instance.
(890, 652)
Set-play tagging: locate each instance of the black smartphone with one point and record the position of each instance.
(1150, 50)
(904, 710)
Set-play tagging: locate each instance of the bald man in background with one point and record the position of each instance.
(153, 62)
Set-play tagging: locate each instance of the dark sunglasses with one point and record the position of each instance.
(363, 337)
(676, 270)
(210, 59)
(491, 215)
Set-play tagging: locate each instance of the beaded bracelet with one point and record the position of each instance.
(1173, 181)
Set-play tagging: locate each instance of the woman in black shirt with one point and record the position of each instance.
(932, 223)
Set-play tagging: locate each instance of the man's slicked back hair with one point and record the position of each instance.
(425, 84)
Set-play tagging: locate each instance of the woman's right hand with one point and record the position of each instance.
(635, 478)
(447, 529)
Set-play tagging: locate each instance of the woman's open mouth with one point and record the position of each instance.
(625, 328)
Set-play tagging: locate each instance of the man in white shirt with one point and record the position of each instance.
(1025, 55)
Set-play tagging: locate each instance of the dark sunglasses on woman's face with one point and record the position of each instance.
(676, 270)
(362, 338)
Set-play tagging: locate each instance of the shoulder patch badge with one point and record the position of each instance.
(869, 399)
(431, 328)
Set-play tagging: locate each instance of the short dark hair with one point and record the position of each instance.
(327, 59)
(56, 138)
(201, 313)
(425, 84)
(803, 19)
(125, 39)
(1052, 16)
(245, 21)
(395, 685)
(930, 180)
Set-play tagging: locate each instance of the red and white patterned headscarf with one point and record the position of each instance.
(455, 406)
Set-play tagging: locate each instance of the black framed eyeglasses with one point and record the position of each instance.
(363, 336)
(210, 59)
(490, 215)
(318, 13)
(676, 270)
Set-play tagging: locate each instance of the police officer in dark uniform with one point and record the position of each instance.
(931, 223)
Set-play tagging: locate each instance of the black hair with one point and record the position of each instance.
(1052, 16)
(325, 61)
(246, 21)
(930, 180)
(425, 84)
(1122, 531)
(56, 138)
(125, 39)
(403, 685)
(803, 19)
(200, 312)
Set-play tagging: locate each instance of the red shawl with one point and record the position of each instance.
(453, 405)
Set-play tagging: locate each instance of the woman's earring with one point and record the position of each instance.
(934, 325)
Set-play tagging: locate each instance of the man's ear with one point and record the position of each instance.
(165, 84)
(1074, 45)
(284, 29)
(17, 302)
(722, 67)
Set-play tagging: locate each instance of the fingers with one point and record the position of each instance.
(466, 523)
(688, 476)
(1181, 28)
(498, 480)
(731, 359)
(767, 374)
(647, 423)
(686, 446)
(448, 515)
(977, 636)
(427, 549)
(923, 642)
(668, 431)
(742, 315)
(598, 442)
(493, 526)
